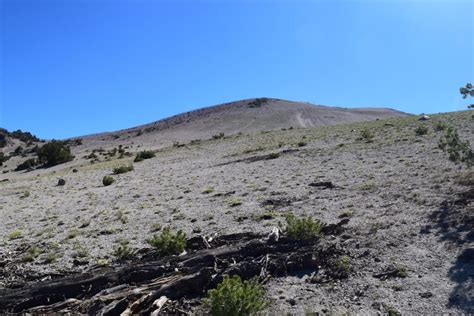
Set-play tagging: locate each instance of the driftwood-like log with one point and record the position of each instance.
(134, 286)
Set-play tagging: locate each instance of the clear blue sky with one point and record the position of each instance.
(71, 67)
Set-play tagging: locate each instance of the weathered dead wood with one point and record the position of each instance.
(324, 185)
(251, 159)
(134, 286)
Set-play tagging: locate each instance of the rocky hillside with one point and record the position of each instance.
(362, 217)
(247, 116)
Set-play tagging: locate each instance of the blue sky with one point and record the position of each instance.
(70, 68)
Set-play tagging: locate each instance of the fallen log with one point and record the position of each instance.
(134, 286)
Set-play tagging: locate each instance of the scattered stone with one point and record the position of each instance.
(424, 118)
(426, 294)
(61, 182)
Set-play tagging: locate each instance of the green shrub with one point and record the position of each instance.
(17, 151)
(218, 136)
(168, 242)
(342, 265)
(302, 228)
(439, 126)
(3, 139)
(366, 135)
(258, 102)
(122, 169)
(421, 130)
(273, 155)
(15, 234)
(54, 153)
(28, 164)
(3, 158)
(302, 144)
(24, 136)
(457, 150)
(122, 250)
(142, 155)
(234, 297)
(208, 190)
(107, 180)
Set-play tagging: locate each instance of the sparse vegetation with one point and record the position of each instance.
(366, 135)
(302, 228)
(28, 164)
(234, 202)
(142, 155)
(17, 151)
(234, 297)
(342, 265)
(3, 158)
(107, 180)
(50, 258)
(25, 137)
(421, 130)
(168, 242)
(273, 155)
(218, 136)
(458, 150)
(440, 126)
(32, 253)
(25, 195)
(122, 169)
(258, 102)
(122, 249)
(208, 190)
(402, 271)
(15, 234)
(3, 138)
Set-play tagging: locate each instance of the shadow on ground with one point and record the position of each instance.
(454, 223)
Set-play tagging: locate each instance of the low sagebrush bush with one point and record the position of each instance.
(107, 180)
(218, 136)
(458, 150)
(366, 135)
(302, 228)
(234, 297)
(273, 155)
(146, 154)
(421, 130)
(122, 169)
(122, 250)
(168, 242)
(439, 126)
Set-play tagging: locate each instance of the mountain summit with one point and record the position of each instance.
(250, 115)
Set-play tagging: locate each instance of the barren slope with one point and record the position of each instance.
(245, 116)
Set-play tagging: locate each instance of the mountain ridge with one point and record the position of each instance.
(249, 115)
